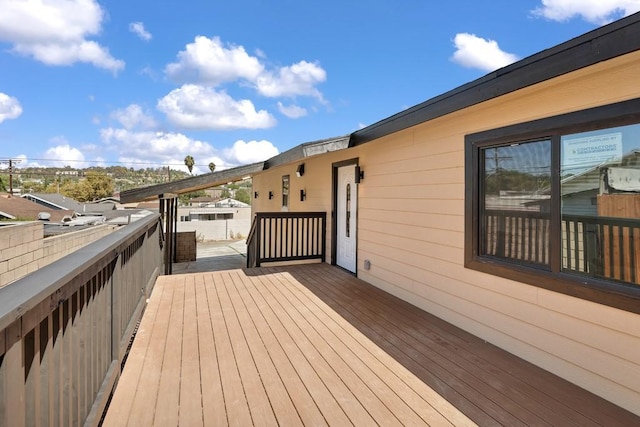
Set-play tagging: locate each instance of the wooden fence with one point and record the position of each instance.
(65, 329)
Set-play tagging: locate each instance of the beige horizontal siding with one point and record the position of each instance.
(411, 228)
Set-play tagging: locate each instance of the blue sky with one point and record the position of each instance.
(145, 83)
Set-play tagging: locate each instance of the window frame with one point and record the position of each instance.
(286, 191)
(610, 293)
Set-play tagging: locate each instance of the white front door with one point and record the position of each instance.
(346, 218)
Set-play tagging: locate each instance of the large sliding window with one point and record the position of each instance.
(556, 203)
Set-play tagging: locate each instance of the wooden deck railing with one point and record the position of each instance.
(519, 235)
(604, 247)
(286, 236)
(65, 329)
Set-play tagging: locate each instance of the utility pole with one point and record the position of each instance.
(11, 162)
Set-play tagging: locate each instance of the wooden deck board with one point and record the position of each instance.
(284, 409)
(213, 412)
(190, 412)
(367, 369)
(354, 346)
(167, 402)
(313, 345)
(550, 399)
(142, 364)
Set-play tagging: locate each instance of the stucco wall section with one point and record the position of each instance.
(217, 230)
(23, 248)
(411, 229)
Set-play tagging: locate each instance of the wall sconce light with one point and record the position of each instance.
(303, 195)
(270, 195)
(359, 175)
(300, 170)
(255, 194)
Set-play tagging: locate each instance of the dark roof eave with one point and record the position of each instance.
(193, 183)
(604, 43)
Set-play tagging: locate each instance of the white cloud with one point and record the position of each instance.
(297, 79)
(243, 153)
(10, 107)
(55, 31)
(292, 111)
(209, 61)
(138, 29)
(154, 147)
(475, 52)
(166, 148)
(65, 155)
(197, 107)
(597, 12)
(134, 116)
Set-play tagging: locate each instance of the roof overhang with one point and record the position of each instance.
(308, 149)
(608, 42)
(190, 184)
(200, 182)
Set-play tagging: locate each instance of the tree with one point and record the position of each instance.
(242, 195)
(94, 186)
(212, 167)
(189, 162)
(185, 198)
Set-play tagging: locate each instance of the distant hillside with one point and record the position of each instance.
(40, 179)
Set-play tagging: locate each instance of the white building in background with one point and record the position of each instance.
(226, 219)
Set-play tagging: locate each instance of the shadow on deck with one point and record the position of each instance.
(271, 345)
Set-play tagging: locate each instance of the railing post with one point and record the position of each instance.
(500, 236)
(258, 240)
(324, 237)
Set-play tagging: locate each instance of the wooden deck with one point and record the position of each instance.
(312, 345)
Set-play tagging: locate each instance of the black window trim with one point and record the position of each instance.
(613, 294)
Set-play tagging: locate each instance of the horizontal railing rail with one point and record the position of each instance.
(286, 236)
(65, 328)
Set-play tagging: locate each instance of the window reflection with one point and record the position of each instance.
(600, 190)
(516, 186)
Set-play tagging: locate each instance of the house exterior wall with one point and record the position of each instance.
(317, 183)
(23, 248)
(223, 229)
(411, 228)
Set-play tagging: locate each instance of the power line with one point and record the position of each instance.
(104, 162)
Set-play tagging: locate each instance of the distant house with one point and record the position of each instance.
(17, 208)
(201, 201)
(464, 206)
(58, 201)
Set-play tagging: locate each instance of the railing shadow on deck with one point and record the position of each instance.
(65, 329)
(488, 384)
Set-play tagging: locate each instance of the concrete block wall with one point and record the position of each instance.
(55, 247)
(23, 248)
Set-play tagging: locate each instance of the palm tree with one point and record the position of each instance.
(212, 167)
(189, 162)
